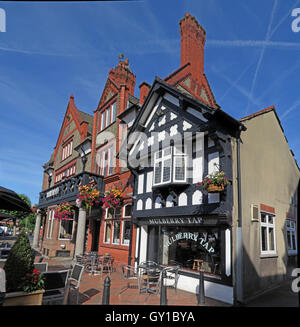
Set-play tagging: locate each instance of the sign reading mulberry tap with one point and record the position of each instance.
(190, 236)
(175, 221)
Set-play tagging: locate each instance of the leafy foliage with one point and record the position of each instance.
(24, 219)
(19, 263)
(34, 281)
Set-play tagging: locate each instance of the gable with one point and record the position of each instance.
(72, 121)
(167, 122)
(110, 90)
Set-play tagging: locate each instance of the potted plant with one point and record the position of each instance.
(88, 195)
(64, 211)
(215, 182)
(113, 198)
(24, 284)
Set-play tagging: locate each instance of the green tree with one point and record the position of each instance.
(19, 263)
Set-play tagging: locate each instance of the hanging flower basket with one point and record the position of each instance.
(215, 188)
(64, 211)
(215, 183)
(88, 195)
(113, 198)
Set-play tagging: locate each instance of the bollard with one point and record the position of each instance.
(201, 294)
(106, 291)
(163, 290)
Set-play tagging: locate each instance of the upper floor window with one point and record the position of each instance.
(108, 116)
(170, 166)
(67, 150)
(105, 161)
(70, 171)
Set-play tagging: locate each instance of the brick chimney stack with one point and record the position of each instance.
(192, 44)
(144, 90)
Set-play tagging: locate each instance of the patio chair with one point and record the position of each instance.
(41, 266)
(55, 287)
(89, 261)
(79, 259)
(149, 277)
(74, 280)
(129, 275)
(105, 263)
(172, 276)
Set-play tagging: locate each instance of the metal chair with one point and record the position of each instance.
(105, 263)
(74, 280)
(172, 276)
(55, 287)
(150, 274)
(129, 275)
(79, 259)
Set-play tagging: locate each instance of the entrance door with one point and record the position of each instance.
(96, 232)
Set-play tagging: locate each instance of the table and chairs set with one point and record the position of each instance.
(95, 263)
(148, 277)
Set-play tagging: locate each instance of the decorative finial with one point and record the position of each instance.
(121, 56)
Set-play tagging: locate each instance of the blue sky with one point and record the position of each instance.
(50, 50)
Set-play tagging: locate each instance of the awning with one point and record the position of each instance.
(9, 200)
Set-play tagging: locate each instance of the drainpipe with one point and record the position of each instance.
(298, 234)
(131, 223)
(239, 230)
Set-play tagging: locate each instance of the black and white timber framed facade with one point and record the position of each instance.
(174, 143)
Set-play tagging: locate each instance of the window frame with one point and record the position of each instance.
(67, 149)
(172, 156)
(50, 223)
(292, 231)
(124, 221)
(268, 226)
(106, 165)
(59, 230)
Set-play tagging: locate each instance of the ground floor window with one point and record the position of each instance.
(66, 229)
(291, 236)
(51, 213)
(267, 229)
(117, 227)
(191, 248)
(126, 232)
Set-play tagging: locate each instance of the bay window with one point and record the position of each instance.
(170, 166)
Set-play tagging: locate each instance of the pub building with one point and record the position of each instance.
(174, 142)
(69, 166)
(241, 236)
(158, 148)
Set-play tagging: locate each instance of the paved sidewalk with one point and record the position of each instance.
(91, 291)
(282, 296)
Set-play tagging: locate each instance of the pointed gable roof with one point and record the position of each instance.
(83, 122)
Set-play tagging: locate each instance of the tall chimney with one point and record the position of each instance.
(144, 90)
(192, 44)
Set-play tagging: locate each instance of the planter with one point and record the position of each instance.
(23, 298)
(212, 188)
